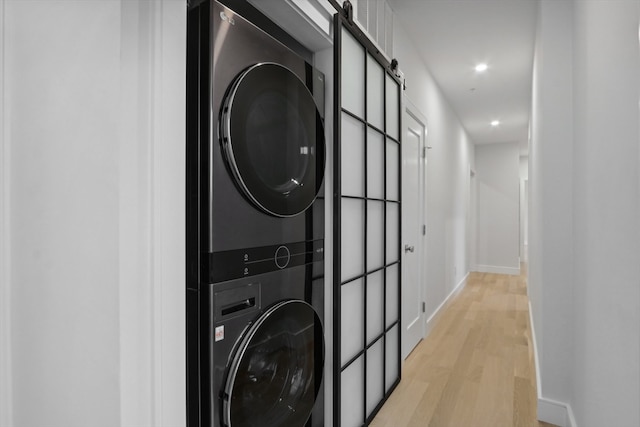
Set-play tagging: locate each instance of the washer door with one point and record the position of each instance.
(275, 375)
(273, 139)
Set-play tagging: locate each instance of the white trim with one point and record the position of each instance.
(410, 108)
(554, 412)
(152, 221)
(169, 174)
(156, 138)
(549, 411)
(411, 113)
(535, 351)
(417, 319)
(497, 269)
(571, 419)
(137, 359)
(308, 21)
(431, 321)
(6, 384)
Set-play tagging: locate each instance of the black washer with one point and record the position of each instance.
(275, 369)
(282, 257)
(273, 139)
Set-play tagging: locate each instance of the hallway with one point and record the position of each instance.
(476, 367)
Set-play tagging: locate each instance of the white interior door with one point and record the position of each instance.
(413, 166)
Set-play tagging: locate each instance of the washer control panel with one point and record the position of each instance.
(283, 256)
(234, 264)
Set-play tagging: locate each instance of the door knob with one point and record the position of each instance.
(408, 248)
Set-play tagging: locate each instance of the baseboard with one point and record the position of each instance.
(496, 269)
(571, 420)
(434, 317)
(554, 412)
(535, 351)
(549, 410)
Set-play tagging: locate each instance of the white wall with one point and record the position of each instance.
(448, 165)
(498, 179)
(584, 226)
(551, 220)
(606, 206)
(64, 211)
(93, 113)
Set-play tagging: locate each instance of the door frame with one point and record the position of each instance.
(409, 109)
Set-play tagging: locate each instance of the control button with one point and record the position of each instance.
(283, 256)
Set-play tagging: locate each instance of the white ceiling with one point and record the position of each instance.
(452, 36)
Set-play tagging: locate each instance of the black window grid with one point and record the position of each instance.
(340, 22)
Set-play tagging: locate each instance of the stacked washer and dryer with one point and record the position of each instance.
(255, 227)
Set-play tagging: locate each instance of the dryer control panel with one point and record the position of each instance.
(234, 264)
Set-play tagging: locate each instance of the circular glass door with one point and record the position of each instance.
(273, 139)
(275, 375)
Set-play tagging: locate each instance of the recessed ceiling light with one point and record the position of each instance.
(495, 123)
(481, 67)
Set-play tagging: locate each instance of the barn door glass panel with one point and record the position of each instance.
(393, 170)
(352, 341)
(375, 93)
(375, 383)
(392, 99)
(375, 235)
(366, 228)
(352, 236)
(392, 358)
(352, 153)
(375, 162)
(375, 306)
(353, 54)
(392, 296)
(352, 395)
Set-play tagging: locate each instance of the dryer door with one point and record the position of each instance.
(273, 139)
(274, 377)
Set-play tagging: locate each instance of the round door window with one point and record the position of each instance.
(275, 375)
(273, 139)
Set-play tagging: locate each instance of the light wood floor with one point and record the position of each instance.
(476, 367)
